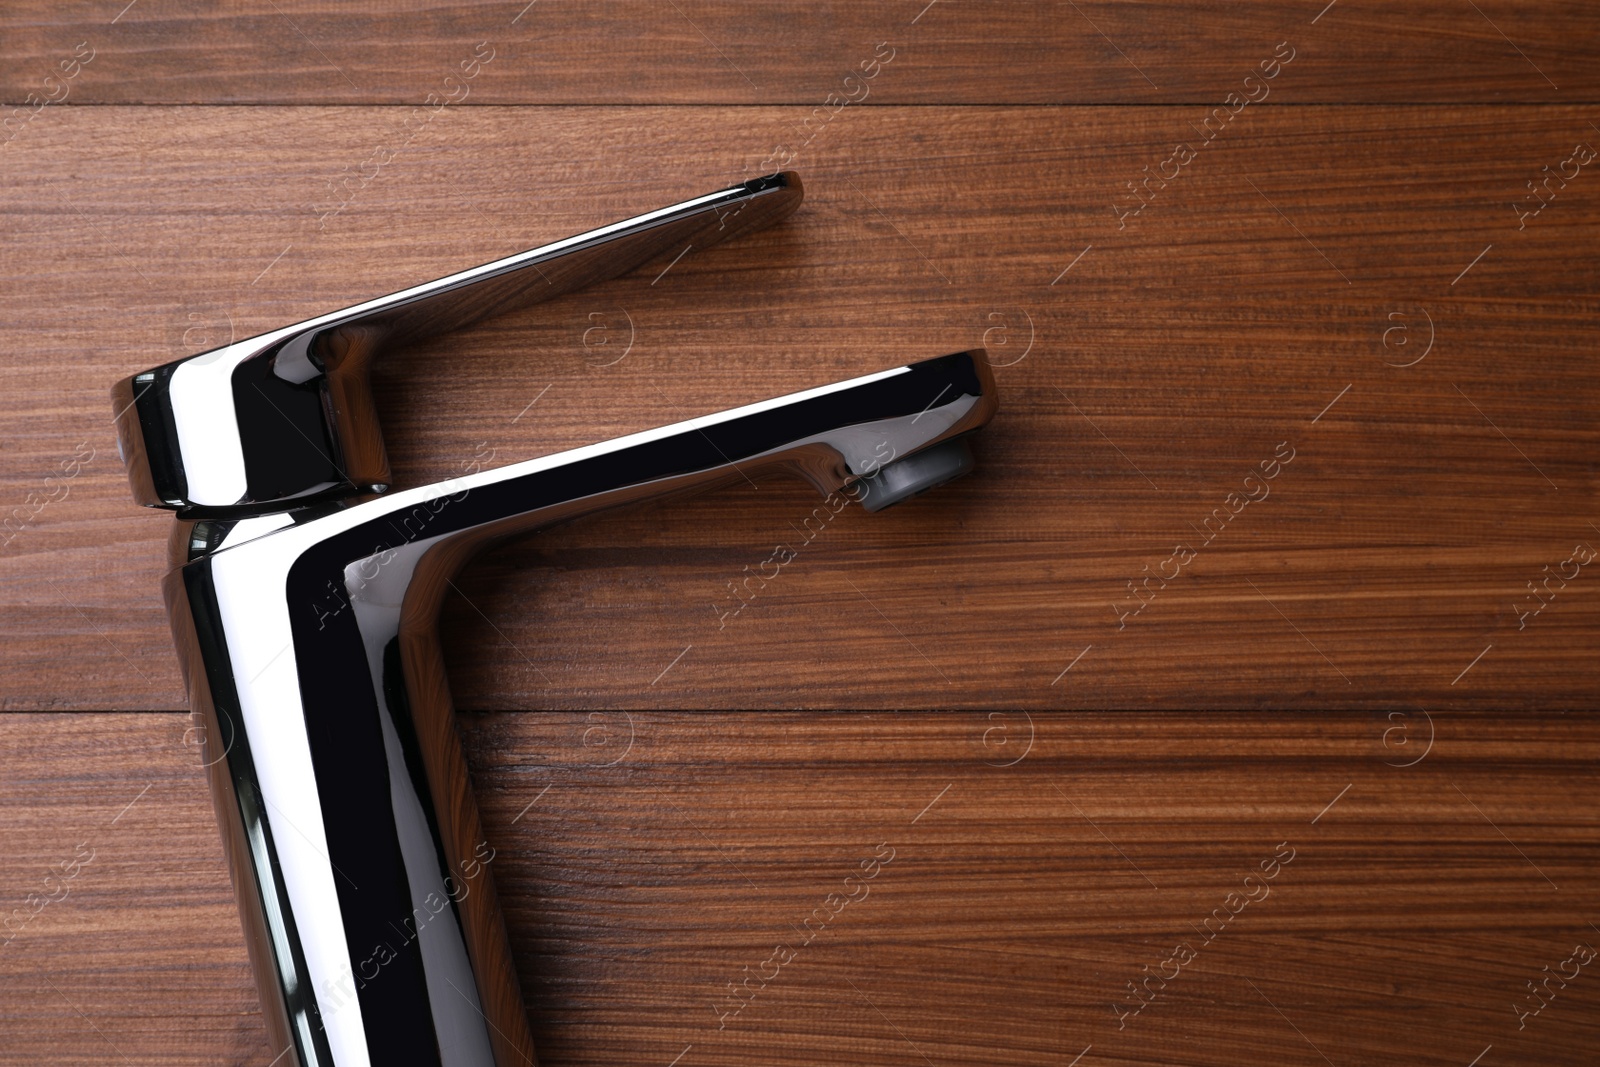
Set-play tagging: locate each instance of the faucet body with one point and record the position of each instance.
(304, 600)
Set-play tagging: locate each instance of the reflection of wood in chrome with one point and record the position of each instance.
(455, 808)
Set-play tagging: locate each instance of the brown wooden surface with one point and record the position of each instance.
(1144, 370)
(646, 860)
(1168, 363)
(769, 51)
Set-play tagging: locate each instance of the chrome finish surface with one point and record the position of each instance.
(915, 475)
(285, 418)
(308, 633)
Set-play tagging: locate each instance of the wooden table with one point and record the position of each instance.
(1277, 548)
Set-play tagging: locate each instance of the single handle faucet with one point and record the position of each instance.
(304, 599)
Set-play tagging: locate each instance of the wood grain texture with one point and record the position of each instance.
(1275, 295)
(1256, 306)
(647, 861)
(768, 51)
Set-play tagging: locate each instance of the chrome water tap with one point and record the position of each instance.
(304, 599)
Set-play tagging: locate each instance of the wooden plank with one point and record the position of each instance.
(738, 52)
(1256, 306)
(1038, 866)
(1365, 287)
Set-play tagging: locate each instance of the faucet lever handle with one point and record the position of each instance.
(286, 418)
